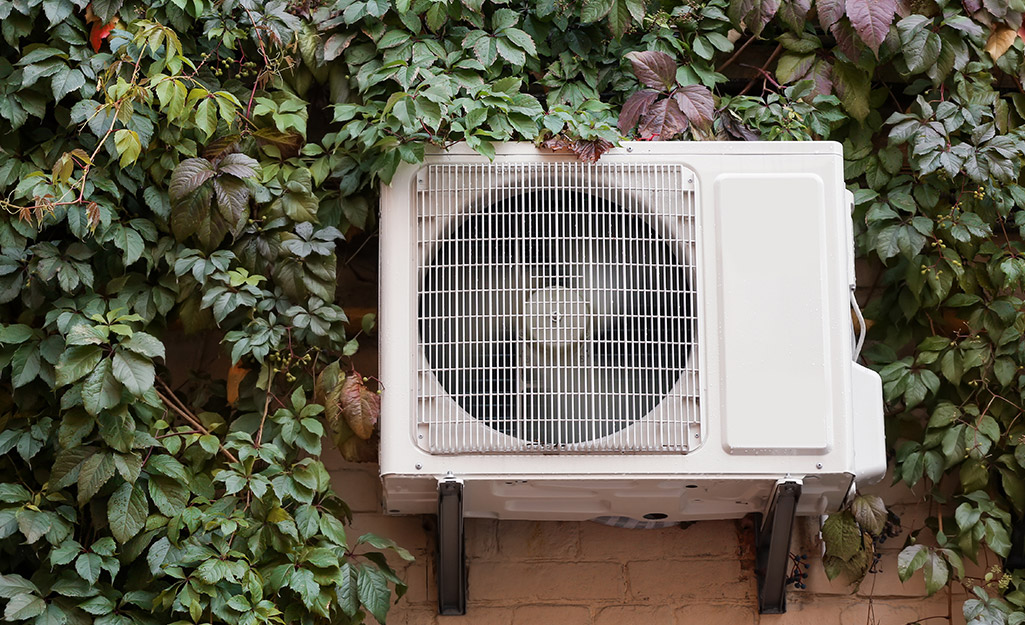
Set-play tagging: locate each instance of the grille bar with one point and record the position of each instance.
(557, 308)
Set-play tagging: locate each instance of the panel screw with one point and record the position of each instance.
(817, 466)
(629, 149)
(420, 466)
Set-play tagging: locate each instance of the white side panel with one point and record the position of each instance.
(773, 271)
(869, 431)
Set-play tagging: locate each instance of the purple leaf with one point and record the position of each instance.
(830, 12)
(846, 39)
(794, 13)
(754, 14)
(188, 176)
(696, 104)
(822, 76)
(871, 19)
(654, 69)
(972, 5)
(635, 106)
(663, 121)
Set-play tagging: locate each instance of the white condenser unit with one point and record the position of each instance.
(663, 335)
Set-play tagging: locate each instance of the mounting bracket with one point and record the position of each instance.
(772, 544)
(451, 564)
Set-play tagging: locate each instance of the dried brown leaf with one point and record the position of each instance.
(361, 407)
(1000, 41)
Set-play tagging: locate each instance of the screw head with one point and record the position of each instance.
(817, 466)
(419, 466)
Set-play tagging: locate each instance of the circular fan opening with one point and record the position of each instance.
(557, 317)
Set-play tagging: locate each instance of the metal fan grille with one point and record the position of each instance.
(557, 308)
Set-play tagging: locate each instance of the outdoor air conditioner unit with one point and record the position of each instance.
(662, 335)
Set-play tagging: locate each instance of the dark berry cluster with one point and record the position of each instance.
(799, 571)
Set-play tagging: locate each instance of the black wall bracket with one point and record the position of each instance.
(772, 543)
(451, 564)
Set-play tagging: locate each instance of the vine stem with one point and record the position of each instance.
(179, 408)
(266, 409)
(735, 55)
(762, 71)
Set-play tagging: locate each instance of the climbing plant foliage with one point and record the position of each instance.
(176, 169)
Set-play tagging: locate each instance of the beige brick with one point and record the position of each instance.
(551, 615)
(706, 580)
(704, 538)
(603, 542)
(406, 615)
(623, 614)
(419, 578)
(481, 538)
(361, 490)
(886, 612)
(479, 615)
(699, 540)
(804, 609)
(543, 581)
(886, 583)
(535, 540)
(407, 531)
(819, 584)
(706, 614)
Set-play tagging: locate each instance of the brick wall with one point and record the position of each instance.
(523, 572)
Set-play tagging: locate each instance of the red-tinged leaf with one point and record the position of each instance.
(822, 76)
(846, 39)
(635, 106)
(830, 12)
(591, 151)
(696, 104)
(793, 13)
(654, 69)
(188, 176)
(663, 121)
(754, 14)
(99, 32)
(871, 20)
(972, 5)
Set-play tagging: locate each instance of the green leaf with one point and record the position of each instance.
(594, 10)
(95, 472)
(89, 566)
(25, 364)
(12, 585)
(169, 496)
(373, 591)
(134, 371)
(127, 511)
(870, 513)
(841, 535)
(128, 146)
(76, 362)
(910, 559)
(101, 390)
(853, 86)
(65, 81)
(303, 583)
(34, 524)
(106, 9)
(24, 606)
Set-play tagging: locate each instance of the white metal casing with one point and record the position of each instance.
(779, 394)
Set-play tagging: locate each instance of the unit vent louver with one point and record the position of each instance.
(557, 308)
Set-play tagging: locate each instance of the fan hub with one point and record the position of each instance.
(556, 317)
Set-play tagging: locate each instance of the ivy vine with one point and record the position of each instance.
(185, 166)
